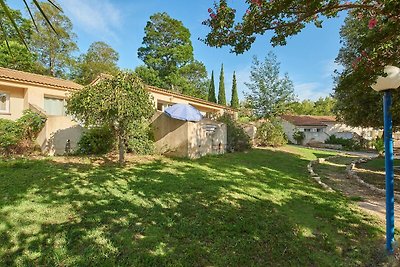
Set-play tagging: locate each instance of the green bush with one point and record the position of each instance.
(379, 145)
(238, 140)
(18, 137)
(299, 137)
(10, 135)
(347, 144)
(31, 123)
(271, 134)
(140, 138)
(96, 141)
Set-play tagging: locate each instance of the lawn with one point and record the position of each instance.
(258, 208)
(373, 172)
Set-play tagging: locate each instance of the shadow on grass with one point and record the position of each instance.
(255, 208)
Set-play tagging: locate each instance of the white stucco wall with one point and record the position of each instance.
(343, 130)
(338, 129)
(289, 130)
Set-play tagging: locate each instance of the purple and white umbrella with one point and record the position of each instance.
(184, 112)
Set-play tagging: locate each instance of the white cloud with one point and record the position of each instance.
(311, 90)
(99, 18)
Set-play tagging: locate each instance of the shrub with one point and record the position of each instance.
(299, 137)
(238, 140)
(379, 145)
(10, 135)
(18, 137)
(96, 141)
(140, 138)
(271, 134)
(348, 144)
(31, 124)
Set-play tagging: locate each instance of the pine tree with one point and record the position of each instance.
(211, 90)
(235, 97)
(221, 92)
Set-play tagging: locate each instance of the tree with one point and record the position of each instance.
(17, 56)
(379, 47)
(149, 76)
(269, 94)
(211, 91)
(13, 53)
(100, 58)
(166, 45)
(192, 79)
(305, 107)
(221, 91)
(117, 102)
(235, 97)
(54, 51)
(321, 107)
(324, 106)
(168, 55)
(8, 32)
(12, 24)
(357, 104)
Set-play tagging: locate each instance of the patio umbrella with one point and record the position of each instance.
(183, 112)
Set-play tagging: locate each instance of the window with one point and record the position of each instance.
(307, 130)
(54, 106)
(161, 106)
(4, 103)
(314, 130)
(320, 130)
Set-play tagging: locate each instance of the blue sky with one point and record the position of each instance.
(308, 58)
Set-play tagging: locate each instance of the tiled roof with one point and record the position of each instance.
(325, 118)
(26, 77)
(190, 98)
(306, 120)
(168, 92)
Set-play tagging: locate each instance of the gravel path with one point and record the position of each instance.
(333, 173)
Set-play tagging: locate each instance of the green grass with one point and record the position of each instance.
(378, 164)
(373, 172)
(259, 208)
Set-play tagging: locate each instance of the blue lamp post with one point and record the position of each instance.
(386, 84)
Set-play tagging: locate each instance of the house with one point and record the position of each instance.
(317, 129)
(21, 90)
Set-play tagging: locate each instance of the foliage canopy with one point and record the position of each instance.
(116, 102)
(269, 94)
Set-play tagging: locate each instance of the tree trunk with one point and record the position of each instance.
(121, 148)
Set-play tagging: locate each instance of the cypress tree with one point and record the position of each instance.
(221, 92)
(211, 90)
(235, 97)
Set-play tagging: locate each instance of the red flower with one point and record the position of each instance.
(364, 54)
(213, 16)
(209, 10)
(372, 23)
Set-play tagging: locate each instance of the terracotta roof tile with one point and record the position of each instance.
(192, 98)
(26, 77)
(325, 118)
(168, 92)
(306, 120)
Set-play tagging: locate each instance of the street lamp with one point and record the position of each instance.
(386, 84)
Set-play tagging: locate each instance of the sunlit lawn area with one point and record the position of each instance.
(373, 172)
(246, 209)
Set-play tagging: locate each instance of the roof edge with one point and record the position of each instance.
(161, 90)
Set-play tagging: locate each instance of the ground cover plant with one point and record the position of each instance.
(255, 208)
